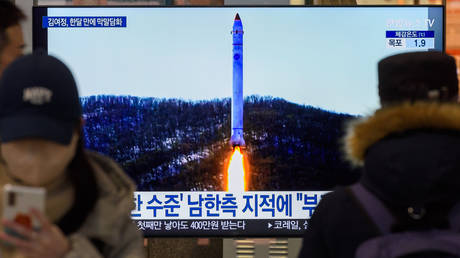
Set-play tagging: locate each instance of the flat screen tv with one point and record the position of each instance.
(229, 119)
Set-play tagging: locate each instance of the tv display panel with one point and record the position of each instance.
(183, 96)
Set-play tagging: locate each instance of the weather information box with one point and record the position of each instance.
(224, 213)
(410, 39)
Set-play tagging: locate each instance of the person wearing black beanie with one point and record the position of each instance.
(410, 155)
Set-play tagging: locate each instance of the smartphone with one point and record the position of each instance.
(17, 202)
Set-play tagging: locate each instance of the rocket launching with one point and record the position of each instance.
(237, 98)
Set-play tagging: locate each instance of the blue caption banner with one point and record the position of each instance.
(225, 205)
(409, 34)
(206, 213)
(84, 22)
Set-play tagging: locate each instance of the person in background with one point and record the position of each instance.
(11, 38)
(88, 196)
(409, 151)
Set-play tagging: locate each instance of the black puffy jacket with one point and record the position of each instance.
(411, 158)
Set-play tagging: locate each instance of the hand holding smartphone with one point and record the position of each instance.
(17, 202)
(25, 206)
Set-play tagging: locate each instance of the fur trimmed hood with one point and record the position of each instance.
(363, 133)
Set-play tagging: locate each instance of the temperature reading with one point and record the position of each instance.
(401, 39)
(420, 43)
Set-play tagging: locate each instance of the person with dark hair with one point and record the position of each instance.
(410, 155)
(11, 38)
(88, 197)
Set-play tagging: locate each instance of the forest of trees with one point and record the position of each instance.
(178, 145)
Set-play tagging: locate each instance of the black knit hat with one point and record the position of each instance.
(38, 98)
(417, 76)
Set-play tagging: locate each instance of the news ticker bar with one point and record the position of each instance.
(155, 228)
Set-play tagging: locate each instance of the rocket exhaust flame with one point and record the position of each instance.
(235, 174)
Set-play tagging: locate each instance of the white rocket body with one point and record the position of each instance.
(237, 98)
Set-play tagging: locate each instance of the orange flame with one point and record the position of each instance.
(235, 174)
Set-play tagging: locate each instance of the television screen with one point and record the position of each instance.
(229, 119)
